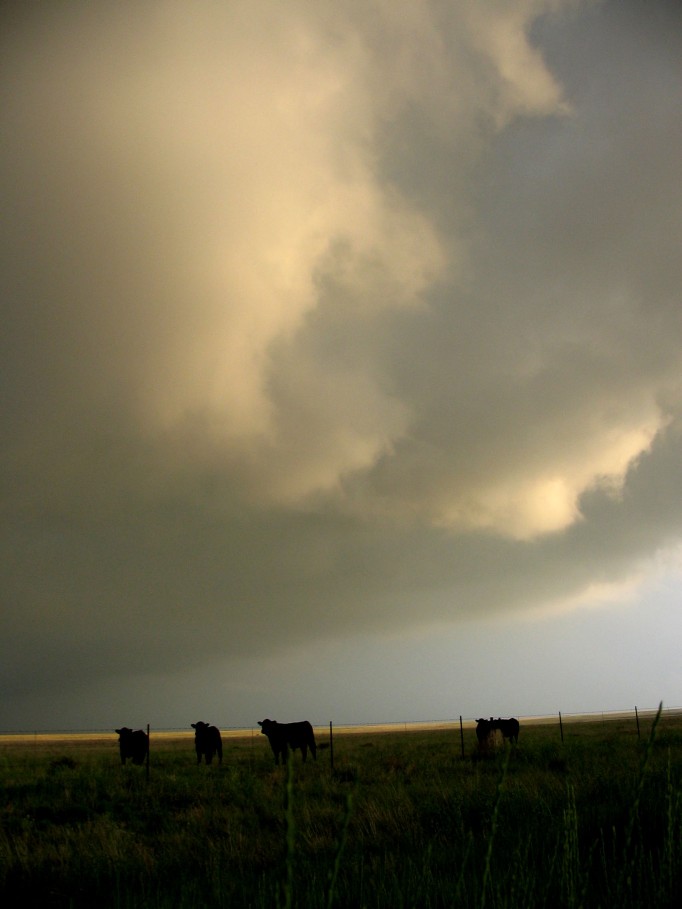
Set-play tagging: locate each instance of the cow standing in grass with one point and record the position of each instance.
(134, 745)
(207, 741)
(283, 736)
(484, 730)
(509, 728)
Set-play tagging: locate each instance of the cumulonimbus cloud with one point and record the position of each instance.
(372, 264)
(216, 194)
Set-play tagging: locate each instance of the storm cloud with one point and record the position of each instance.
(323, 320)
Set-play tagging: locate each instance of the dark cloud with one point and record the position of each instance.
(357, 324)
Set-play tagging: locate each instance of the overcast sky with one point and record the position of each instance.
(341, 360)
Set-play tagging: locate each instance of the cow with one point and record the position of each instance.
(484, 729)
(509, 728)
(283, 736)
(134, 745)
(207, 741)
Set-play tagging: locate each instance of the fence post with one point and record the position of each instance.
(147, 767)
(331, 745)
(561, 727)
(637, 719)
(461, 734)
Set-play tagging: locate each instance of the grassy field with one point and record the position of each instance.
(404, 820)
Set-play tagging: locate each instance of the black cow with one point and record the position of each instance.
(484, 729)
(207, 741)
(134, 745)
(283, 736)
(509, 728)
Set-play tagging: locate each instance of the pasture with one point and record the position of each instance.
(404, 821)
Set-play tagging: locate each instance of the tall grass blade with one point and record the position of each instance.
(627, 861)
(339, 852)
(493, 829)
(290, 823)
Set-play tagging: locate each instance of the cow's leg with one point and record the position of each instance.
(304, 752)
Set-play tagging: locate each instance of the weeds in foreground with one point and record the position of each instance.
(404, 821)
(493, 830)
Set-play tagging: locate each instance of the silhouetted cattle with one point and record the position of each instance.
(134, 745)
(283, 736)
(509, 728)
(207, 741)
(484, 729)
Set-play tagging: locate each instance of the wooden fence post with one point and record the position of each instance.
(331, 745)
(561, 727)
(147, 767)
(461, 734)
(637, 719)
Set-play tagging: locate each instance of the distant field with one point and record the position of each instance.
(402, 819)
(359, 728)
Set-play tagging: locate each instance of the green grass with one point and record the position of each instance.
(403, 821)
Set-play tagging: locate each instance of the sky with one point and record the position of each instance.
(341, 360)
